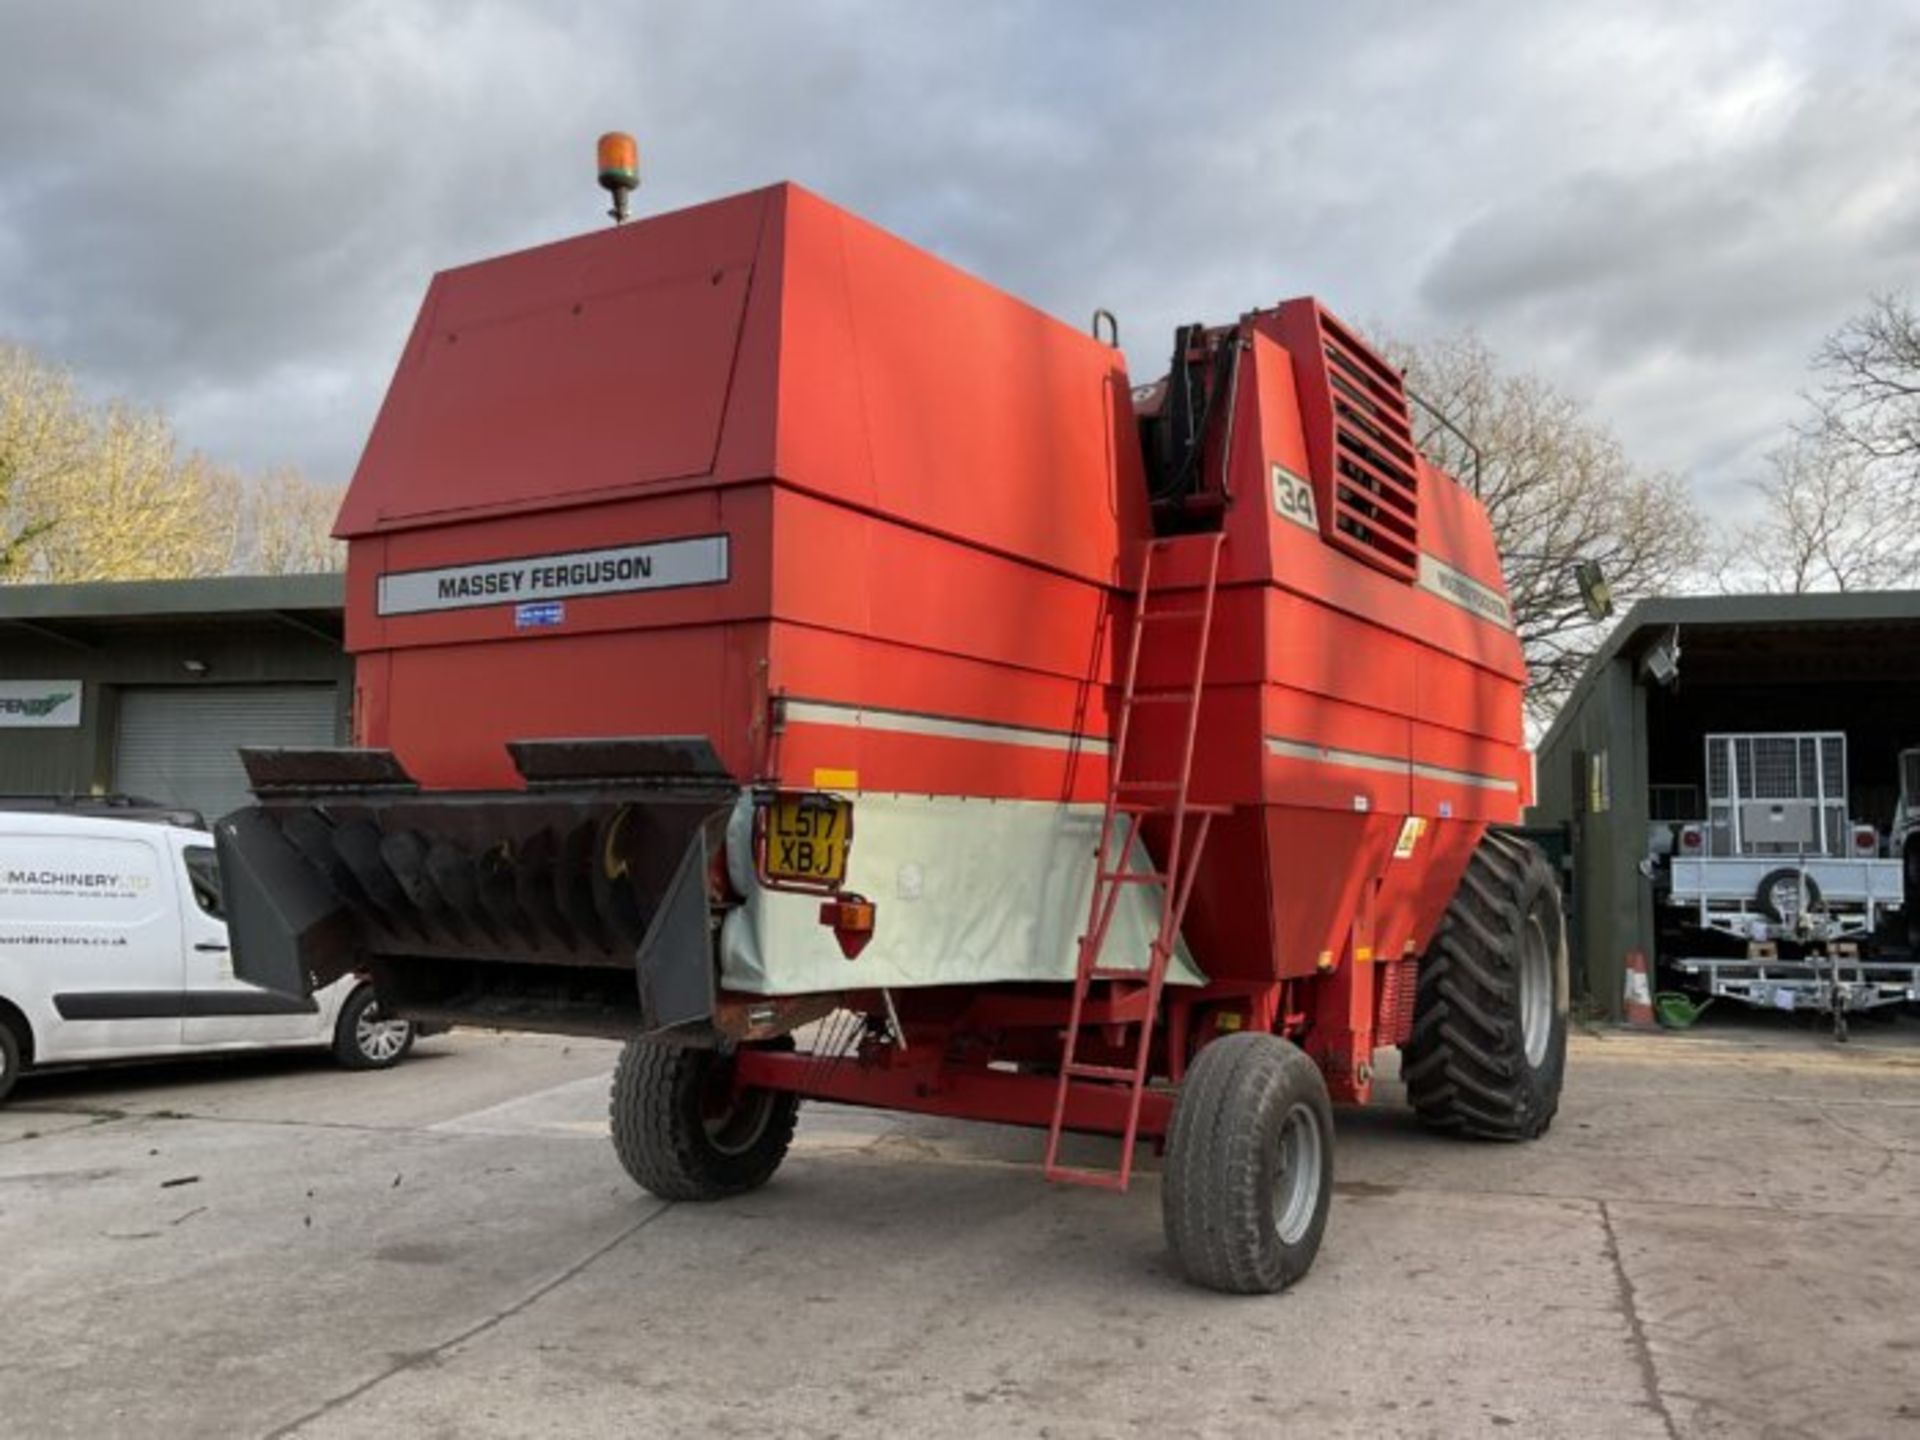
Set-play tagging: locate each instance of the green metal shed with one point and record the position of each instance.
(150, 687)
(1626, 750)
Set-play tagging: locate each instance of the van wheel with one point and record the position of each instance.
(9, 1060)
(364, 1039)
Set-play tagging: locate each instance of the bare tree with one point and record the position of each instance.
(288, 527)
(1832, 518)
(1869, 401)
(42, 439)
(130, 507)
(1841, 500)
(1559, 488)
(102, 492)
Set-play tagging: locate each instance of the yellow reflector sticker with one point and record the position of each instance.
(1410, 833)
(836, 779)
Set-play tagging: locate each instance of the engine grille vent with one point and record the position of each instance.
(1360, 439)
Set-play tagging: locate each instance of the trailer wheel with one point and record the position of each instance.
(1779, 896)
(1489, 1044)
(1249, 1171)
(683, 1134)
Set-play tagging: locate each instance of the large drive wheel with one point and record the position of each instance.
(1489, 1043)
(9, 1059)
(1249, 1171)
(682, 1131)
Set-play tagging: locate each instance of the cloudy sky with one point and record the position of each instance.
(229, 210)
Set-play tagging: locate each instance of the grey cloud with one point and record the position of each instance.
(231, 210)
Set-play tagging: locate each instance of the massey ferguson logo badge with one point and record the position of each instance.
(544, 580)
(1293, 498)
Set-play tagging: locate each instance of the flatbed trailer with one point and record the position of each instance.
(790, 655)
(1779, 897)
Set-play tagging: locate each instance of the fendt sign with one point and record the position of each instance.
(39, 704)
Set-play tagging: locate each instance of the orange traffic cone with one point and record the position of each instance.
(1639, 996)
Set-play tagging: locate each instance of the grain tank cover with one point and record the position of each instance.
(767, 337)
(565, 372)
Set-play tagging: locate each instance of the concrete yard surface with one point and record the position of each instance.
(1720, 1237)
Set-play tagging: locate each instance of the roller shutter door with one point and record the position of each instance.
(180, 746)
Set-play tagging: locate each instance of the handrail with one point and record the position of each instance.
(1434, 413)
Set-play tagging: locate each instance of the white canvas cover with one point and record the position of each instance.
(968, 891)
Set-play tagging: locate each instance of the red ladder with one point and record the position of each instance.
(1128, 795)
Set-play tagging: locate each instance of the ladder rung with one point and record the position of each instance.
(1105, 1179)
(1080, 1071)
(1162, 807)
(1155, 807)
(1137, 991)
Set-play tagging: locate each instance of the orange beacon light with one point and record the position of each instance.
(619, 169)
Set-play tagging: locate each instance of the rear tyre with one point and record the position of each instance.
(1489, 1045)
(9, 1060)
(365, 1039)
(683, 1133)
(1249, 1170)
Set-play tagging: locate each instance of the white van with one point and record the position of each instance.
(112, 947)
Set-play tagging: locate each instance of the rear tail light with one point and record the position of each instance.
(1866, 840)
(1692, 839)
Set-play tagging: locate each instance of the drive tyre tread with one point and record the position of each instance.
(1465, 1064)
(1217, 1195)
(660, 1135)
(10, 1059)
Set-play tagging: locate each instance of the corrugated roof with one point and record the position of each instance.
(1695, 611)
(149, 599)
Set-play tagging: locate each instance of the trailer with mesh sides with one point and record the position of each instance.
(1780, 896)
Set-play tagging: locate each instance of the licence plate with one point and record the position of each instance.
(807, 839)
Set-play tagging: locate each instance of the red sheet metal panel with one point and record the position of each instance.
(911, 386)
(613, 394)
(576, 369)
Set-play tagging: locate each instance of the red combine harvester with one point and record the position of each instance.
(763, 627)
